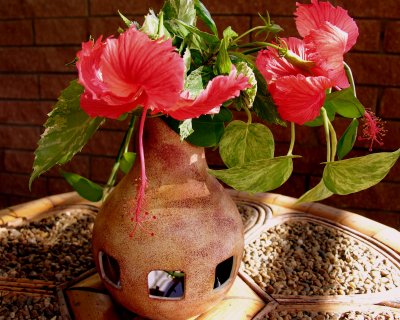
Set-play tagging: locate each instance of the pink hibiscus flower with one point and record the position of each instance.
(328, 32)
(122, 74)
(299, 93)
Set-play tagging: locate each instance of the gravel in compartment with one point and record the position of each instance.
(305, 258)
(19, 306)
(55, 249)
(351, 315)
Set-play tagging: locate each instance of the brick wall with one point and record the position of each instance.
(37, 38)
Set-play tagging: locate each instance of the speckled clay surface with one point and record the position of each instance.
(195, 223)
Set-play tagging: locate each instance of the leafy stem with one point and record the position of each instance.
(122, 149)
(333, 140)
(248, 32)
(326, 122)
(249, 117)
(349, 75)
(292, 138)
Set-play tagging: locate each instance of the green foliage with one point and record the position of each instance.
(263, 105)
(345, 103)
(205, 16)
(68, 129)
(318, 121)
(85, 188)
(127, 161)
(347, 140)
(247, 96)
(197, 79)
(207, 129)
(127, 22)
(257, 176)
(224, 63)
(318, 193)
(182, 10)
(185, 129)
(245, 142)
(356, 174)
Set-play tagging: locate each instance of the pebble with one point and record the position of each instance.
(305, 258)
(56, 249)
(351, 315)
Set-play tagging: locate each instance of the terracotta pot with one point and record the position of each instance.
(197, 231)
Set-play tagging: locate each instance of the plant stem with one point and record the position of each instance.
(333, 140)
(260, 44)
(248, 32)
(122, 149)
(249, 117)
(327, 135)
(292, 138)
(349, 75)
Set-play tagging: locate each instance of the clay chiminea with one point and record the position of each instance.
(188, 256)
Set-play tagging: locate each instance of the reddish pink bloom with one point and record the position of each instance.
(312, 16)
(218, 90)
(299, 99)
(373, 129)
(328, 32)
(122, 74)
(272, 66)
(326, 46)
(298, 93)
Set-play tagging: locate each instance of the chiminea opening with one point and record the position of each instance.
(167, 285)
(110, 270)
(223, 272)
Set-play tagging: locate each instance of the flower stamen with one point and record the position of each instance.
(373, 129)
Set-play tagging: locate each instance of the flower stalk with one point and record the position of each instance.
(124, 147)
(326, 121)
(292, 138)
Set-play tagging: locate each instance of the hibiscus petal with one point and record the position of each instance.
(326, 46)
(299, 99)
(101, 108)
(311, 16)
(272, 66)
(88, 65)
(134, 63)
(218, 90)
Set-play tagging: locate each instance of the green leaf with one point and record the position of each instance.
(185, 129)
(150, 25)
(318, 193)
(345, 103)
(181, 10)
(265, 108)
(68, 129)
(263, 104)
(85, 188)
(247, 97)
(196, 39)
(257, 176)
(187, 59)
(347, 140)
(127, 161)
(194, 82)
(224, 63)
(356, 174)
(245, 142)
(205, 16)
(208, 130)
(125, 19)
(318, 121)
